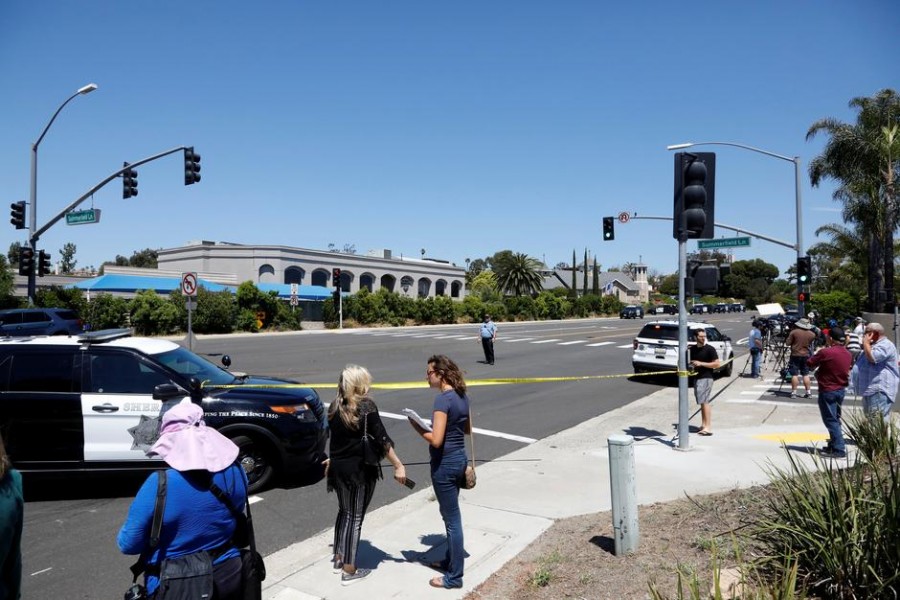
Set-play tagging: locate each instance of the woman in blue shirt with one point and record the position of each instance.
(449, 424)
(194, 519)
(12, 508)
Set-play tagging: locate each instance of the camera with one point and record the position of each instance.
(136, 592)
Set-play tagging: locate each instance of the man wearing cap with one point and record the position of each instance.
(875, 373)
(833, 364)
(488, 335)
(800, 339)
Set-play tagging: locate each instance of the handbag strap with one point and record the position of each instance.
(158, 509)
(224, 499)
(472, 435)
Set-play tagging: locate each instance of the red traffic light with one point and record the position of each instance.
(803, 297)
(336, 278)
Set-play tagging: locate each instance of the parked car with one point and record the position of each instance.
(39, 321)
(737, 307)
(666, 309)
(94, 403)
(721, 307)
(656, 346)
(631, 312)
(699, 309)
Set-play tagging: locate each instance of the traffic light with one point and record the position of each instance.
(191, 166)
(804, 270)
(17, 212)
(43, 263)
(695, 185)
(609, 231)
(336, 298)
(804, 297)
(129, 182)
(26, 261)
(336, 278)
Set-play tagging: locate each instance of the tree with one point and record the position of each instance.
(864, 158)
(573, 291)
(584, 266)
(67, 257)
(7, 286)
(596, 273)
(561, 266)
(13, 254)
(519, 275)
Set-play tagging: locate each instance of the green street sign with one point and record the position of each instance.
(83, 217)
(738, 242)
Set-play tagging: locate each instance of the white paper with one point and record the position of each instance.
(415, 417)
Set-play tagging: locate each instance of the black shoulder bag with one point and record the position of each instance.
(253, 569)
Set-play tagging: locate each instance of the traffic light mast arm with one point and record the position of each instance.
(732, 228)
(87, 194)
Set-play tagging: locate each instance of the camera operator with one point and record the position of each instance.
(800, 340)
(755, 343)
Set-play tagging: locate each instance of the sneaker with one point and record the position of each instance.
(807, 395)
(337, 566)
(793, 394)
(832, 453)
(350, 578)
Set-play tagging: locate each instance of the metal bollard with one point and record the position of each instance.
(624, 495)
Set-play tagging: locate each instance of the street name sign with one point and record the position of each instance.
(737, 242)
(83, 217)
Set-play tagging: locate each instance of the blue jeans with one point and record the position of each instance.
(878, 404)
(755, 355)
(830, 409)
(446, 477)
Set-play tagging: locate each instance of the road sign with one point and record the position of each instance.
(738, 242)
(624, 217)
(295, 288)
(83, 217)
(189, 284)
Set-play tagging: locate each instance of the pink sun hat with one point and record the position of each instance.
(187, 444)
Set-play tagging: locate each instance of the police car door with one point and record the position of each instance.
(121, 418)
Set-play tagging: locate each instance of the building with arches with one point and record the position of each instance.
(413, 277)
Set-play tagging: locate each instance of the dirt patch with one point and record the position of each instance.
(576, 558)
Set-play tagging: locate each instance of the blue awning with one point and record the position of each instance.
(136, 283)
(304, 292)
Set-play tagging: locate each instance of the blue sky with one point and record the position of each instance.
(462, 128)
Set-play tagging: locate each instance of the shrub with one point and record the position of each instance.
(152, 314)
(106, 311)
(216, 312)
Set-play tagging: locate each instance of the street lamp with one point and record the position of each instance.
(796, 161)
(32, 223)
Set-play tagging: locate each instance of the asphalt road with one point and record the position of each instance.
(70, 524)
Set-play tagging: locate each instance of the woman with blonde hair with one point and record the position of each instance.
(352, 415)
(12, 514)
(446, 440)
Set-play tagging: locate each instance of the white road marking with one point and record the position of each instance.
(254, 499)
(517, 340)
(770, 402)
(570, 343)
(41, 571)
(488, 432)
(546, 341)
(626, 346)
(599, 344)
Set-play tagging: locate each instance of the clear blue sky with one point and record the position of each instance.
(460, 127)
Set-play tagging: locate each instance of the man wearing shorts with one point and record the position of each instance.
(800, 339)
(704, 360)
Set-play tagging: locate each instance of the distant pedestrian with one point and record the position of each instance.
(488, 335)
(853, 344)
(832, 375)
(755, 344)
(704, 360)
(12, 510)
(351, 415)
(875, 373)
(859, 327)
(447, 446)
(800, 340)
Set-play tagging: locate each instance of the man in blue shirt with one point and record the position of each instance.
(488, 335)
(754, 342)
(875, 374)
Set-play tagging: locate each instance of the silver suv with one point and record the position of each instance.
(656, 346)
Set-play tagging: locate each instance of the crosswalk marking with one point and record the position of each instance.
(546, 341)
(625, 346)
(599, 344)
(517, 340)
(570, 343)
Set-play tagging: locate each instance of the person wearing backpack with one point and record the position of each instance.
(195, 537)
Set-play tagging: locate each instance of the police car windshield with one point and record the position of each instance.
(189, 364)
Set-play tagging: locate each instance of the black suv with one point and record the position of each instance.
(40, 321)
(631, 312)
(94, 403)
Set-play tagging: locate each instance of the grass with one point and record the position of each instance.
(543, 575)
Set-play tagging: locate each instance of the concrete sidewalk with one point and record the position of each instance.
(520, 495)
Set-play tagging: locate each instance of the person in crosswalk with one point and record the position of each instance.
(488, 333)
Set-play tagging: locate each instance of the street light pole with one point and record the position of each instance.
(797, 200)
(32, 222)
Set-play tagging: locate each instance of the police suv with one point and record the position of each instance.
(655, 348)
(94, 403)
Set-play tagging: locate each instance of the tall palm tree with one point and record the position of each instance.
(864, 158)
(519, 274)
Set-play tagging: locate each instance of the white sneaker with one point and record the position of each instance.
(793, 394)
(351, 578)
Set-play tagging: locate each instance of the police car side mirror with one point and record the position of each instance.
(226, 361)
(167, 391)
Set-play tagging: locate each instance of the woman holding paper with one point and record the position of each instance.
(351, 415)
(446, 439)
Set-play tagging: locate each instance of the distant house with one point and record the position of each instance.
(616, 283)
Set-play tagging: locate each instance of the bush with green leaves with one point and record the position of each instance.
(246, 321)
(106, 311)
(552, 305)
(152, 314)
(216, 312)
(56, 296)
(520, 308)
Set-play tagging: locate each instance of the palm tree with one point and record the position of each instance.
(865, 159)
(519, 274)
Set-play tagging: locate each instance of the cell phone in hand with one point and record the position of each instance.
(409, 483)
